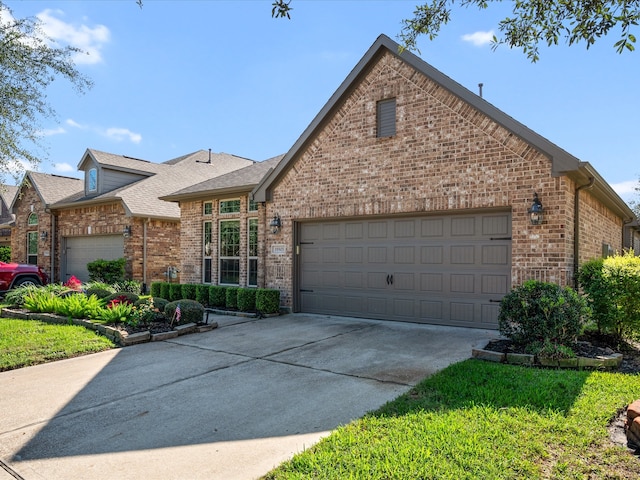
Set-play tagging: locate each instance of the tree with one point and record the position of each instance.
(29, 63)
(533, 22)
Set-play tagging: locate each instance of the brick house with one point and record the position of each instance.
(409, 198)
(63, 223)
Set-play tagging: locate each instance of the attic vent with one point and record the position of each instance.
(386, 118)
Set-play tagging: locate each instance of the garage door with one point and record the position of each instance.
(82, 250)
(449, 270)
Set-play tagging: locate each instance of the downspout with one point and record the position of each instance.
(576, 229)
(144, 254)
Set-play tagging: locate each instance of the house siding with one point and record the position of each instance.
(446, 156)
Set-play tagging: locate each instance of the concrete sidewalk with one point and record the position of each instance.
(228, 404)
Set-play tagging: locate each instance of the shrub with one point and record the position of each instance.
(150, 309)
(536, 313)
(231, 297)
(189, 291)
(5, 254)
(612, 286)
(99, 292)
(165, 290)
(267, 300)
(109, 271)
(190, 312)
(217, 296)
(175, 292)
(131, 286)
(246, 299)
(155, 289)
(16, 296)
(122, 297)
(202, 294)
(79, 305)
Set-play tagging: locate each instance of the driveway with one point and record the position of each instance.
(231, 403)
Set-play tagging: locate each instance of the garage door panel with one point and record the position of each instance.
(82, 250)
(449, 270)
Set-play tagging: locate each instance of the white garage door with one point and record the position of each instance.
(449, 270)
(81, 250)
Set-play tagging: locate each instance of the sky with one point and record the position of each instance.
(174, 77)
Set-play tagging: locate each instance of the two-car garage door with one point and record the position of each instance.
(450, 270)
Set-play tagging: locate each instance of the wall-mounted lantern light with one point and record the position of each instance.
(126, 231)
(536, 211)
(44, 235)
(275, 224)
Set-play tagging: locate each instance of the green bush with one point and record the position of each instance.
(108, 271)
(5, 254)
(131, 286)
(612, 287)
(125, 297)
(231, 297)
(189, 291)
(202, 294)
(150, 309)
(267, 300)
(165, 288)
(190, 312)
(246, 299)
(539, 313)
(175, 292)
(79, 305)
(99, 292)
(155, 289)
(217, 296)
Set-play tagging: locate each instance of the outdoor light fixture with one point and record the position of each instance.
(275, 224)
(43, 235)
(535, 212)
(126, 231)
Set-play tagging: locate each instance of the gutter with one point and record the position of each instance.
(576, 228)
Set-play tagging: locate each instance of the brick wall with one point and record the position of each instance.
(445, 156)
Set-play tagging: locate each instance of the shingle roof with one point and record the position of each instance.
(54, 188)
(121, 162)
(141, 199)
(244, 179)
(8, 193)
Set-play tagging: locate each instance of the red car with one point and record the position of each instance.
(15, 274)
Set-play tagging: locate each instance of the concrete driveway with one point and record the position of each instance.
(231, 403)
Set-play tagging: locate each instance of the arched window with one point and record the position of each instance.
(93, 180)
(33, 219)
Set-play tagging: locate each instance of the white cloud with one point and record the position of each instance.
(479, 38)
(63, 167)
(53, 131)
(73, 123)
(627, 188)
(88, 39)
(120, 134)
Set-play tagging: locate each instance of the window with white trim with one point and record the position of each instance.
(32, 248)
(207, 260)
(92, 181)
(252, 253)
(230, 206)
(229, 252)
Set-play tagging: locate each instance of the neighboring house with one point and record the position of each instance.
(407, 198)
(7, 194)
(113, 212)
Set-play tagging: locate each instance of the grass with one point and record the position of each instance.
(30, 342)
(481, 420)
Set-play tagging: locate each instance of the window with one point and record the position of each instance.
(253, 206)
(229, 252)
(252, 267)
(33, 219)
(230, 206)
(207, 208)
(32, 248)
(206, 242)
(92, 183)
(386, 118)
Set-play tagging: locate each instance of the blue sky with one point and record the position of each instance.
(179, 76)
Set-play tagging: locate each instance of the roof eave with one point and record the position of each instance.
(211, 193)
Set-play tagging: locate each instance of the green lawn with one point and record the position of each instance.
(29, 342)
(481, 420)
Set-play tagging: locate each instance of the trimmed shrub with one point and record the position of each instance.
(246, 299)
(612, 287)
(537, 313)
(175, 292)
(108, 271)
(5, 254)
(231, 298)
(217, 296)
(156, 313)
(190, 311)
(267, 300)
(132, 286)
(127, 297)
(164, 290)
(155, 289)
(189, 291)
(98, 292)
(202, 294)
